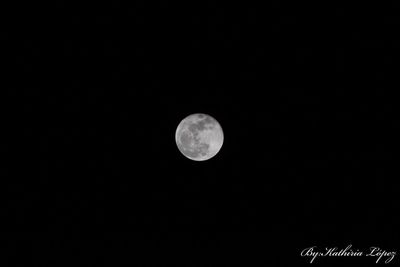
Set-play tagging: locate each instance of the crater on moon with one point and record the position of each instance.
(199, 137)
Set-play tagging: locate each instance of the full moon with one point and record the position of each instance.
(199, 137)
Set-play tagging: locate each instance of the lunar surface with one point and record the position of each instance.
(199, 137)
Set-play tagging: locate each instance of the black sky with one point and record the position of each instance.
(303, 94)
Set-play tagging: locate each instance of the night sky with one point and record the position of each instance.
(93, 176)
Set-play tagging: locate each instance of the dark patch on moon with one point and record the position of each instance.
(193, 128)
(208, 119)
(199, 126)
(185, 139)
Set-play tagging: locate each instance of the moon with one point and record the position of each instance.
(199, 137)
